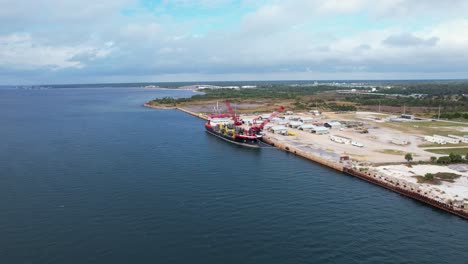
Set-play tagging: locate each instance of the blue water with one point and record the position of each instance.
(90, 176)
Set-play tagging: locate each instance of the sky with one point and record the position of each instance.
(81, 41)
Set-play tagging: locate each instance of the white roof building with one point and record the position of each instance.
(306, 127)
(460, 139)
(279, 129)
(295, 124)
(320, 130)
(306, 119)
(448, 139)
(292, 117)
(333, 124)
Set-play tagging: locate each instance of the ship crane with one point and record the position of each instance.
(258, 128)
(237, 122)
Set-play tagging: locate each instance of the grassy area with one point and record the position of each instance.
(395, 152)
(447, 151)
(431, 145)
(438, 178)
(392, 152)
(446, 176)
(427, 127)
(422, 179)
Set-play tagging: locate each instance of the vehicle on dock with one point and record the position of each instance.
(357, 144)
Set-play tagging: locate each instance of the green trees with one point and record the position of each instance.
(452, 158)
(409, 157)
(443, 160)
(455, 158)
(429, 176)
(433, 159)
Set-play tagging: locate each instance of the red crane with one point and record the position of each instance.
(237, 122)
(257, 128)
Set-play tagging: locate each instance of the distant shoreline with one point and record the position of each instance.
(159, 107)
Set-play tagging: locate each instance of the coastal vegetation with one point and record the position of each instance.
(424, 98)
(409, 157)
(437, 178)
(452, 158)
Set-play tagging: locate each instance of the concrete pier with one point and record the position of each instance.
(192, 113)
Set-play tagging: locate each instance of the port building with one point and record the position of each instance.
(306, 119)
(435, 140)
(306, 127)
(448, 139)
(295, 124)
(460, 139)
(333, 125)
(320, 130)
(279, 129)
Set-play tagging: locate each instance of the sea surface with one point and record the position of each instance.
(88, 175)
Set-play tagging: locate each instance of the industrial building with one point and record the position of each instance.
(448, 140)
(333, 125)
(315, 112)
(460, 139)
(306, 119)
(306, 127)
(435, 140)
(279, 129)
(295, 124)
(320, 130)
(292, 118)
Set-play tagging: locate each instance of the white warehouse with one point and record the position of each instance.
(435, 140)
(307, 127)
(448, 139)
(279, 129)
(460, 139)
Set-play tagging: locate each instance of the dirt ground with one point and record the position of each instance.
(378, 147)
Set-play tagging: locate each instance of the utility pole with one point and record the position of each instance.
(379, 106)
(438, 116)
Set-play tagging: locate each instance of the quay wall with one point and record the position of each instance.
(302, 153)
(412, 192)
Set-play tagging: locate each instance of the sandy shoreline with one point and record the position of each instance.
(159, 107)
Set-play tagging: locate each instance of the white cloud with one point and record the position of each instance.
(94, 37)
(21, 51)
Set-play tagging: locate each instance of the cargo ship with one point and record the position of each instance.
(230, 128)
(225, 129)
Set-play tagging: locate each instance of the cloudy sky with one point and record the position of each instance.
(81, 41)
